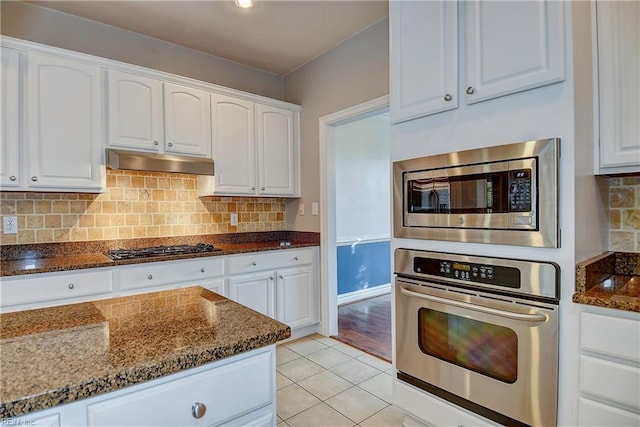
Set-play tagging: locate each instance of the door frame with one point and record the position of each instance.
(328, 259)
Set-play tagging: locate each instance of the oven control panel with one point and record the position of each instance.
(497, 275)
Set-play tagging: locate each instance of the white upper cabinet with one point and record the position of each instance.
(276, 151)
(618, 46)
(187, 120)
(149, 115)
(233, 124)
(255, 150)
(511, 46)
(135, 111)
(63, 137)
(9, 155)
(424, 58)
(506, 47)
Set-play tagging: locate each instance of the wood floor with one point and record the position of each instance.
(366, 325)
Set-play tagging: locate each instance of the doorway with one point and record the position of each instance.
(355, 222)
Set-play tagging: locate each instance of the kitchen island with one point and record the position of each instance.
(84, 356)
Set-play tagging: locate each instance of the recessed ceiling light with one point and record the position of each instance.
(244, 3)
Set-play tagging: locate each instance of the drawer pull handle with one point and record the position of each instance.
(34, 178)
(202, 270)
(253, 263)
(295, 258)
(198, 410)
(150, 277)
(71, 286)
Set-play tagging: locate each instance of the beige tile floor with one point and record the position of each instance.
(323, 382)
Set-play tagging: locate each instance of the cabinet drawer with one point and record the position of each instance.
(268, 260)
(227, 392)
(54, 286)
(162, 273)
(610, 381)
(592, 413)
(611, 336)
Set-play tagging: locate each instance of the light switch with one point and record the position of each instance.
(314, 208)
(301, 209)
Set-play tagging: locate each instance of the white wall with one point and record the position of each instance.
(351, 73)
(34, 23)
(363, 195)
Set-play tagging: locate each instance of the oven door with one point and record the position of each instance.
(493, 355)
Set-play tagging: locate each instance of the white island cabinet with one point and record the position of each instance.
(234, 391)
(508, 47)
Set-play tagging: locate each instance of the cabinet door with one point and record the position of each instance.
(512, 46)
(9, 157)
(619, 83)
(276, 151)
(256, 291)
(233, 145)
(423, 58)
(187, 120)
(64, 123)
(296, 298)
(135, 111)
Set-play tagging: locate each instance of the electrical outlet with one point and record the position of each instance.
(10, 225)
(301, 209)
(234, 219)
(314, 208)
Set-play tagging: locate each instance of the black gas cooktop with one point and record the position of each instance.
(154, 251)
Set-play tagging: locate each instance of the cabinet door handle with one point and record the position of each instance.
(253, 187)
(198, 410)
(170, 144)
(202, 270)
(71, 286)
(156, 143)
(270, 277)
(34, 178)
(295, 258)
(12, 178)
(448, 97)
(253, 263)
(262, 188)
(280, 277)
(150, 277)
(470, 90)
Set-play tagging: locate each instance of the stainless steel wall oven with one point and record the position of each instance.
(505, 194)
(480, 332)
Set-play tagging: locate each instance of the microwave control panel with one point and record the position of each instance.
(520, 190)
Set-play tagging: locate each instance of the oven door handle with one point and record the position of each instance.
(538, 317)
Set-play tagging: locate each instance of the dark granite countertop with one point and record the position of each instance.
(51, 257)
(609, 280)
(61, 354)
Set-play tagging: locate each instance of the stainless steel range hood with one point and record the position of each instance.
(153, 162)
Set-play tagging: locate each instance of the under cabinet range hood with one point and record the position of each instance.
(154, 162)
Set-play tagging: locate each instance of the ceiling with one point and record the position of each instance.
(275, 36)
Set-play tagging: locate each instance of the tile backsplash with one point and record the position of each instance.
(135, 205)
(624, 214)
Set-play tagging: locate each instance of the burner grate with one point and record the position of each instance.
(117, 254)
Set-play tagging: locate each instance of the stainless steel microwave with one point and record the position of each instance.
(506, 194)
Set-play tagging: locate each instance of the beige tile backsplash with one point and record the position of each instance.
(624, 214)
(135, 205)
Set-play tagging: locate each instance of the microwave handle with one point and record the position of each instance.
(539, 317)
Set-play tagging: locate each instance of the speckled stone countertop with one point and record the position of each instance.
(50, 257)
(609, 280)
(62, 354)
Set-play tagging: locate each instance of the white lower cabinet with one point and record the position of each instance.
(280, 284)
(609, 374)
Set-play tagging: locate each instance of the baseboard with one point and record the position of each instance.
(364, 294)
